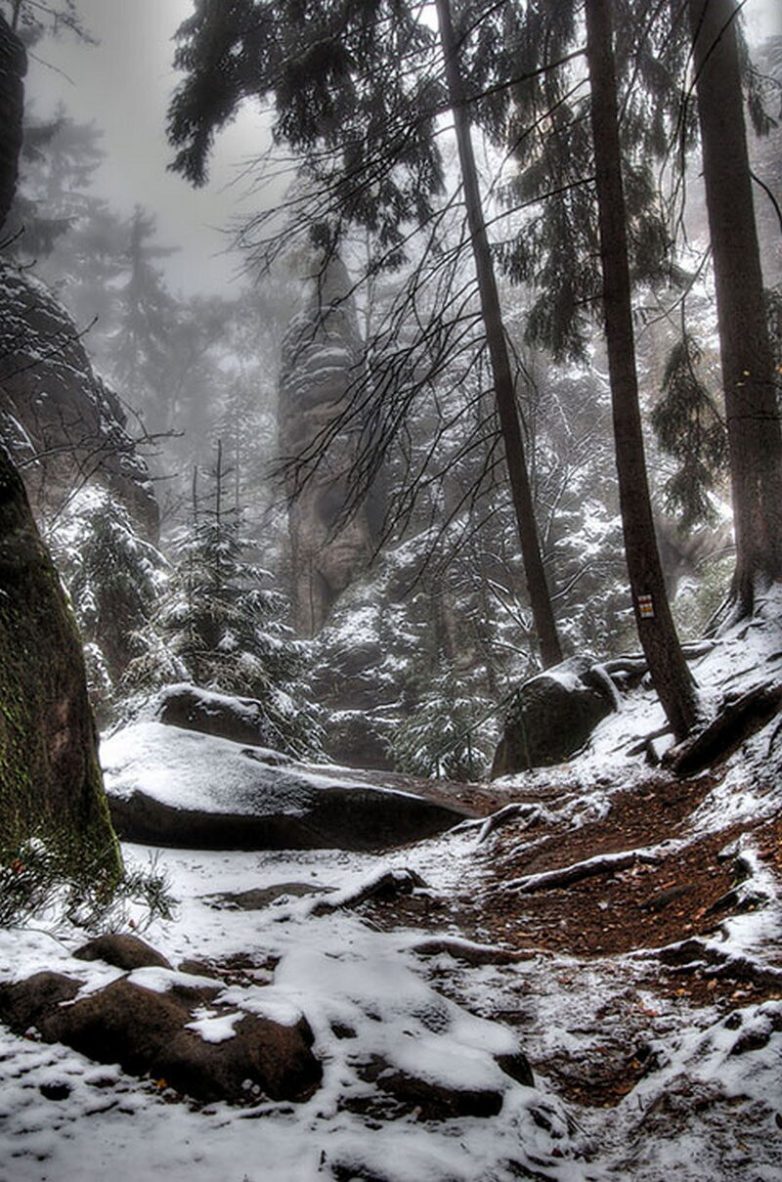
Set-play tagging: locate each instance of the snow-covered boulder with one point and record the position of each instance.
(552, 716)
(174, 1027)
(177, 788)
(242, 720)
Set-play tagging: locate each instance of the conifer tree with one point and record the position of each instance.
(751, 395)
(114, 579)
(668, 668)
(359, 99)
(221, 626)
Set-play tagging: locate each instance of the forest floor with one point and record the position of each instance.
(620, 924)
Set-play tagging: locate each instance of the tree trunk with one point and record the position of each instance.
(669, 672)
(50, 779)
(13, 66)
(504, 386)
(752, 413)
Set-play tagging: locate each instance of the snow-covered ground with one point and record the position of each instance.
(711, 1109)
(341, 974)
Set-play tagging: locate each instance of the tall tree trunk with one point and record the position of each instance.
(752, 413)
(669, 671)
(50, 780)
(13, 66)
(504, 386)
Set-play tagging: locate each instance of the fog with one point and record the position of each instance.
(123, 85)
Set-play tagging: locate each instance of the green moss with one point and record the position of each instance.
(50, 779)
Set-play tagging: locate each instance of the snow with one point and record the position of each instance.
(187, 770)
(708, 1108)
(213, 1027)
(339, 973)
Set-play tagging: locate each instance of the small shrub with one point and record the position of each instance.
(37, 883)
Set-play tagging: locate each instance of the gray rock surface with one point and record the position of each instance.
(56, 413)
(177, 788)
(552, 716)
(320, 366)
(242, 720)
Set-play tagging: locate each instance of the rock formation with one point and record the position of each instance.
(51, 788)
(320, 366)
(62, 424)
(50, 781)
(173, 787)
(552, 716)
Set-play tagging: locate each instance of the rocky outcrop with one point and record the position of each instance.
(50, 782)
(241, 720)
(552, 716)
(62, 424)
(320, 370)
(172, 787)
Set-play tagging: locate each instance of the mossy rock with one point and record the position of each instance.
(51, 786)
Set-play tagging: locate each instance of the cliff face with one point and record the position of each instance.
(62, 424)
(321, 355)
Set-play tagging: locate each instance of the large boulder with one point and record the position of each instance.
(242, 720)
(225, 1055)
(173, 787)
(552, 716)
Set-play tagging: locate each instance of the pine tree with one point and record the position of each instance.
(751, 402)
(442, 735)
(145, 316)
(518, 471)
(114, 579)
(667, 666)
(221, 626)
(359, 99)
(689, 428)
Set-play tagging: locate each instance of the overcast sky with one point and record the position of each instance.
(124, 85)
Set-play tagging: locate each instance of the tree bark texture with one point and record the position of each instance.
(50, 780)
(504, 386)
(13, 66)
(667, 666)
(751, 407)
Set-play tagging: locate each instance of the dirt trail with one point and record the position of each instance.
(681, 896)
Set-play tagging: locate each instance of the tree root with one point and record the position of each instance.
(387, 885)
(551, 880)
(472, 954)
(737, 720)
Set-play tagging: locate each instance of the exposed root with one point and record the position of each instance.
(606, 864)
